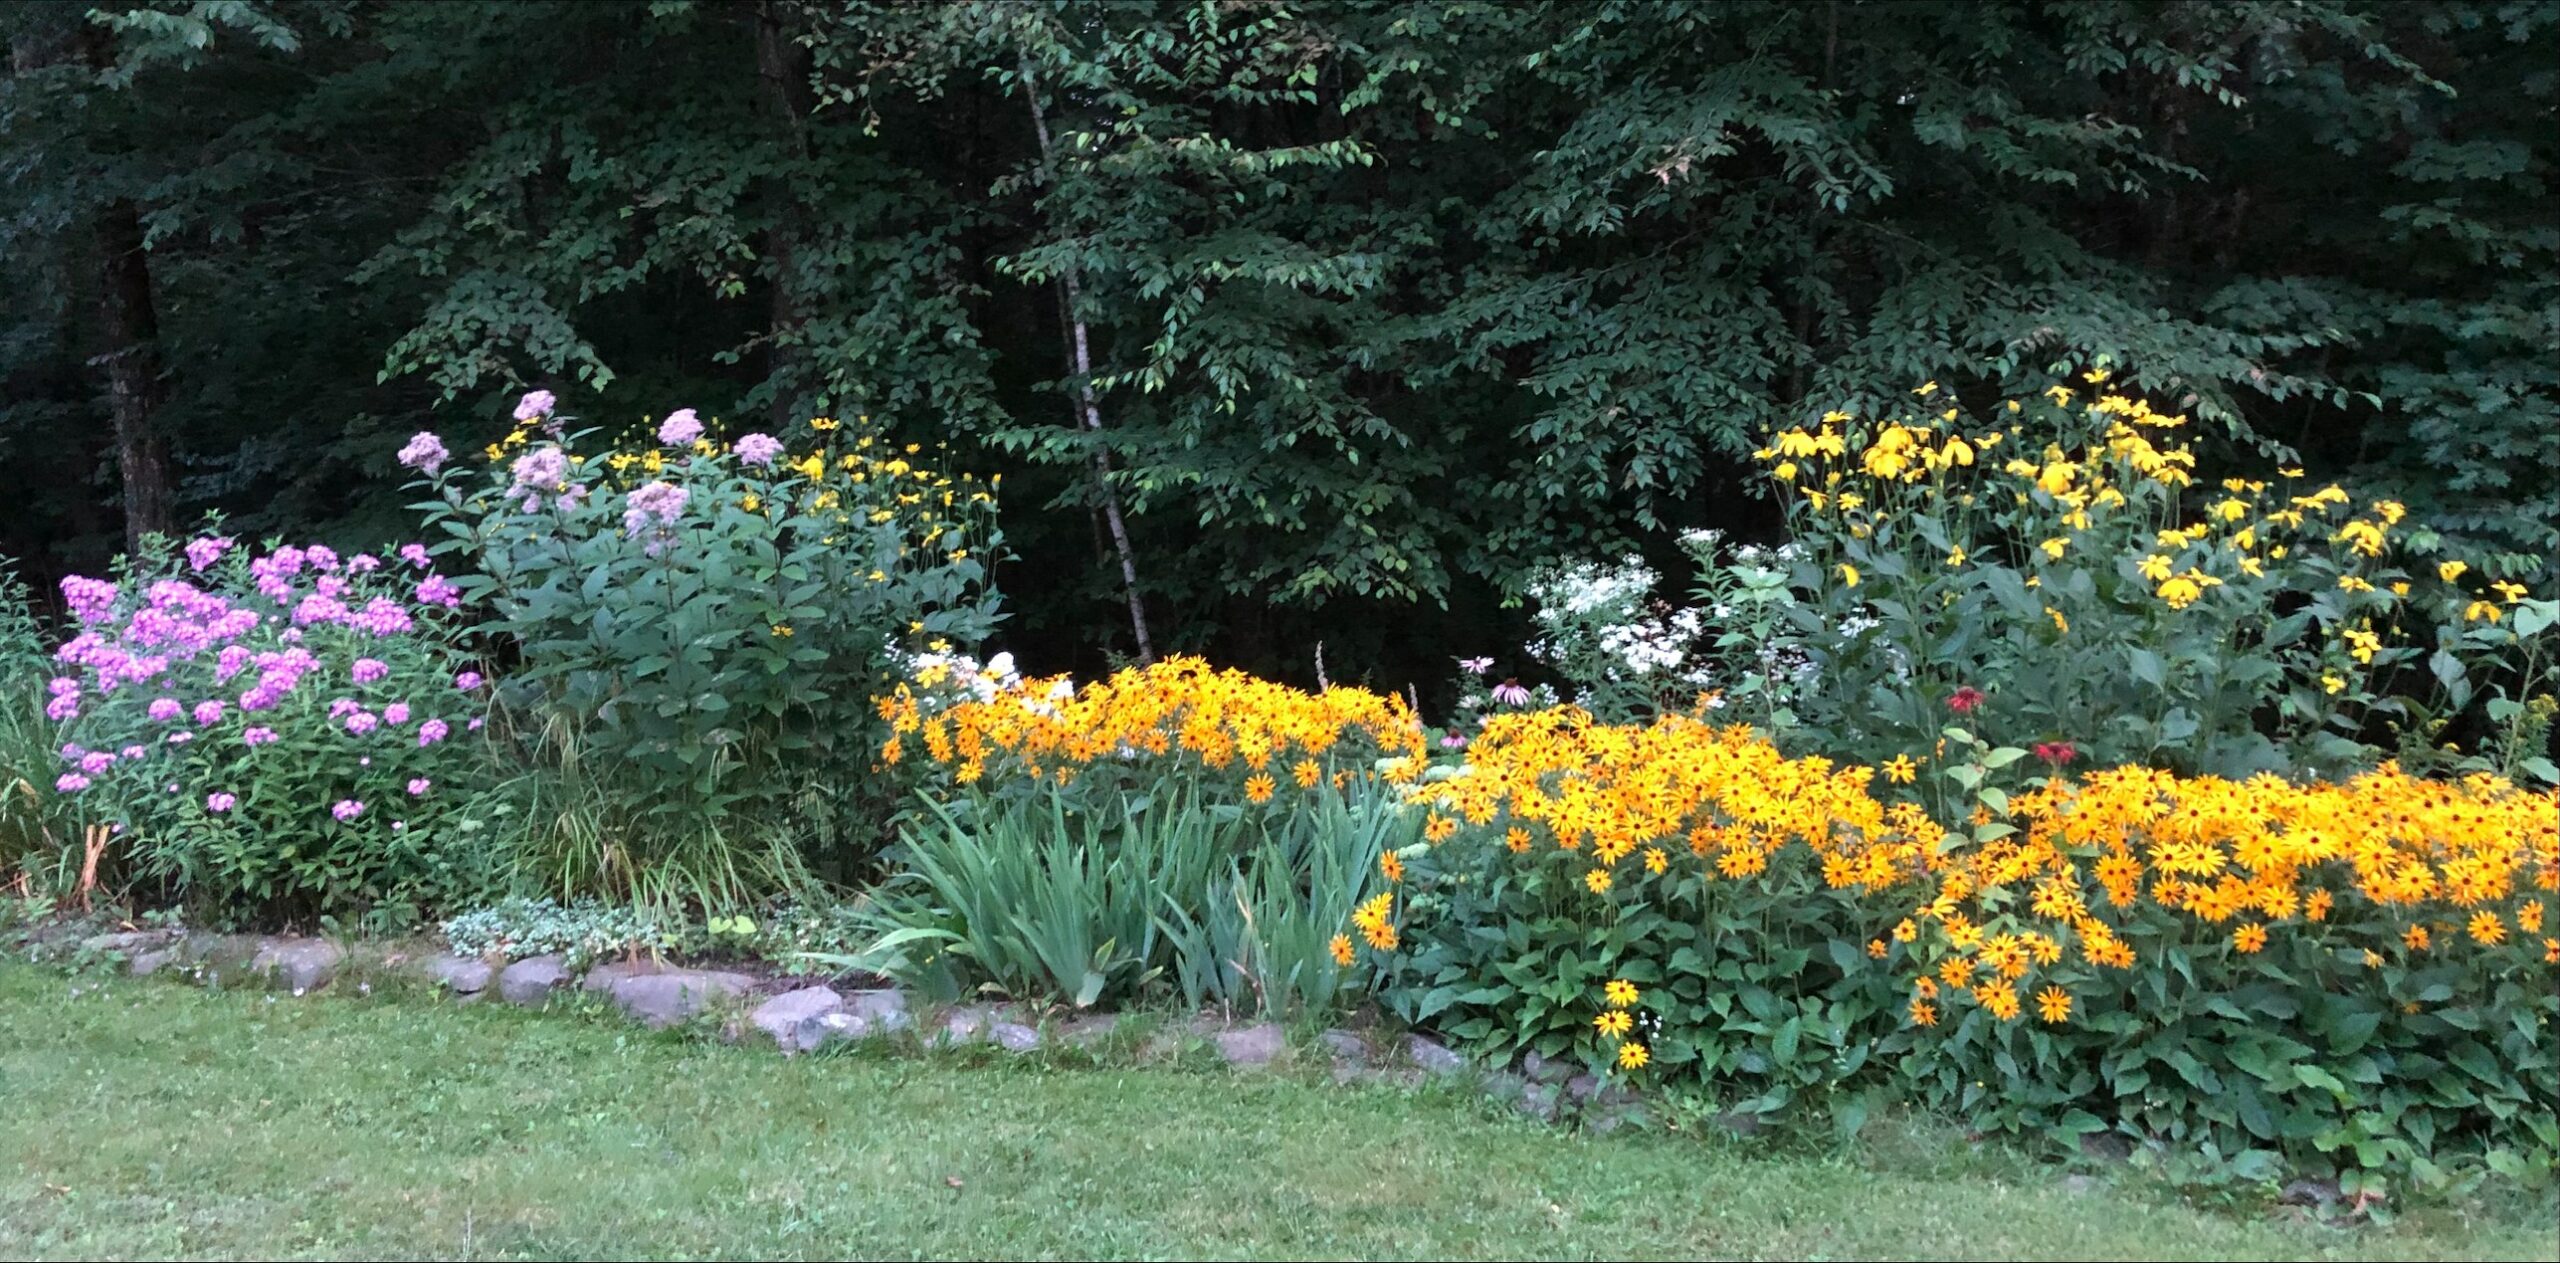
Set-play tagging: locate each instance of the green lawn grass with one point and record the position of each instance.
(155, 1120)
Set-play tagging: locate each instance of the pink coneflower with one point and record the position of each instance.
(1510, 693)
(1475, 666)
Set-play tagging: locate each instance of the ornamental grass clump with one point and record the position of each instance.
(277, 734)
(698, 623)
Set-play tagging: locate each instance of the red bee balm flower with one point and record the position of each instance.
(1963, 700)
(2056, 753)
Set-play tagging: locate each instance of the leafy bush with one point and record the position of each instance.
(2355, 976)
(2051, 561)
(700, 624)
(34, 822)
(280, 734)
(1170, 829)
(2243, 973)
(1671, 898)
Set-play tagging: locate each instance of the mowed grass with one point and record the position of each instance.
(154, 1120)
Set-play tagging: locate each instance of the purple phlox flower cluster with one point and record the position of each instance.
(90, 599)
(64, 699)
(96, 761)
(274, 573)
(660, 501)
(425, 453)
(279, 671)
(133, 752)
(70, 783)
(207, 713)
(166, 710)
(321, 557)
(181, 737)
(536, 403)
(414, 554)
(759, 449)
(363, 563)
(382, 617)
(367, 670)
(255, 737)
(680, 428)
(347, 809)
(433, 731)
(204, 550)
(467, 681)
(362, 722)
(396, 713)
(419, 786)
(219, 803)
(438, 590)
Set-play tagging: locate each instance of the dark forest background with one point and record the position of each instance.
(1374, 305)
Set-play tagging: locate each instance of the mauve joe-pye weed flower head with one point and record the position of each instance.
(662, 501)
(759, 449)
(425, 453)
(680, 428)
(536, 403)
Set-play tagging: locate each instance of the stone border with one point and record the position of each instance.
(800, 1015)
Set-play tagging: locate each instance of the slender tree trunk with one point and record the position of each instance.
(129, 321)
(1088, 409)
(135, 388)
(782, 74)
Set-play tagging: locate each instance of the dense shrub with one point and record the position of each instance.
(700, 626)
(2058, 559)
(34, 821)
(282, 733)
(2246, 974)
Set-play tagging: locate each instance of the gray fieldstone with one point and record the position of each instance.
(532, 980)
(1347, 1048)
(1254, 1045)
(602, 979)
(299, 965)
(782, 1016)
(460, 975)
(129, 942)
(1014, 1036)
(145, 964)
(1432, 1055)
(661, 1000)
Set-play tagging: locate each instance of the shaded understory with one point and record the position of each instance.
(157, 1120)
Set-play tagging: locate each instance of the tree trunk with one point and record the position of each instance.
(129, 321)
(782, 74)
(1089, 410)
(135, 389)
